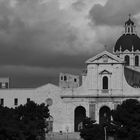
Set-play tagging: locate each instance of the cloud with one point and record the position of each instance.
(54, 35)
(37, 33)
(114, 12)
(79, 5)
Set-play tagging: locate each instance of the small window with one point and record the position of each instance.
(105, 82)
(15, 101)
(61, 77)
(128, 29)
(6, 85)
(2, 102)
(127, 59)
(28, 100)
(132, 29)
(136, 60)
(75, 80)
(65, 78)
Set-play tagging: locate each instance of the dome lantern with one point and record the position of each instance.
(129, 26)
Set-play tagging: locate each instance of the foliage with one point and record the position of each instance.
(127, 118)
(24, 122)
(91, 130)
(125, 124)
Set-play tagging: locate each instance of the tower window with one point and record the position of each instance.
(127, 59)
(65, 78)
(61, 77)
(128, 29)
(132, 29)
(136, 60)
(105, 82)
(75, 80)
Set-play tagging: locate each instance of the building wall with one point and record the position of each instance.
(96, 72)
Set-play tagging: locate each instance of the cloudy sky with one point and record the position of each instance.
(41, 38)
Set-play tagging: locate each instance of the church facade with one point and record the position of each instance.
(109, 79)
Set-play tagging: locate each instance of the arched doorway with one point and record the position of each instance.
(80, 114)
(104, 114)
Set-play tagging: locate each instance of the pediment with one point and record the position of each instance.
(105, 72)
(137, 51)
(126, 51)
(104, 57)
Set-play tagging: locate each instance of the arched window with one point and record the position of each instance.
(104, 115)
(105, 82)
(128, 29)
(131, 29)
(136, 60)
(127, 59)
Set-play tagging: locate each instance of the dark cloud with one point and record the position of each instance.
(27, 76)
(36, 42)
(40, 39)
(45, 42)
(114, 12)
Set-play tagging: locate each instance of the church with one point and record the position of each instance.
(109, 79)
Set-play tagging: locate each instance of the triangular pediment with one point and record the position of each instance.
(126, 51)
(105, 57)
(105, 72)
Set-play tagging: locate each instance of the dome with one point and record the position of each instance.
(126, 41)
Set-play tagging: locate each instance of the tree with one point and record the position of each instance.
(91, 130)
(25, 122)
(127, 118)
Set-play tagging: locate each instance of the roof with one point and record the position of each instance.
(110, 55)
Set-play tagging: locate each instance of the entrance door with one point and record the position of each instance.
(80, 115)
(104, 114)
